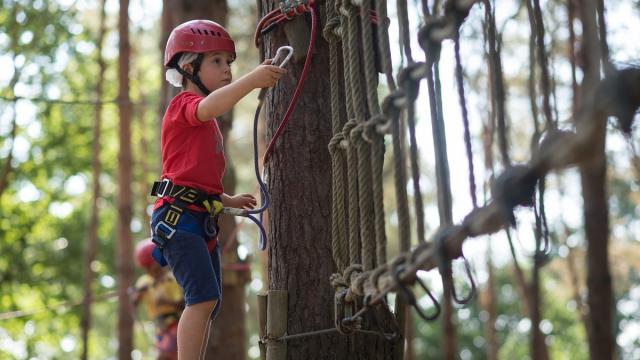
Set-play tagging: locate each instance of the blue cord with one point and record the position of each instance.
(264, 194)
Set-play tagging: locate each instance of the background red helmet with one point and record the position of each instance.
(143, 253)
(197, 36)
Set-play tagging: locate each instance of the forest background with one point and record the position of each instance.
(47, 118)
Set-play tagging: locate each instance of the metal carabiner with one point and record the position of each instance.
(278, 53)
(410, 297)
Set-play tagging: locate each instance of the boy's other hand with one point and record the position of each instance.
(242, 201)
(266, 75)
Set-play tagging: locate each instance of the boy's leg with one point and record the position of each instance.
(192, 329)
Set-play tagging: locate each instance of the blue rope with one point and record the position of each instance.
(264, 194)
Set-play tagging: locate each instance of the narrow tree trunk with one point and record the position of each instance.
(92, 231)
(124, 248)
(299, 223)
(596, 208)
(538, 346)
(574, 279)
(488, 301)
(489, 305)
(143, 163)
(408, 334)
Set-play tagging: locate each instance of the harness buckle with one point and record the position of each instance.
(163, 188)
(162, 226)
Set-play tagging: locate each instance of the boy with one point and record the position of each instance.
(190, 193)
(162, 298)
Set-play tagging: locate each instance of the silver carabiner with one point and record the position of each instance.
(279, 52)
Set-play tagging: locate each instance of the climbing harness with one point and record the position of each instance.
(183, 196)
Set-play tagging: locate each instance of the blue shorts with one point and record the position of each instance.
(196, 270)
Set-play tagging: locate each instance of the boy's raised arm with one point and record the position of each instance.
(222, 100)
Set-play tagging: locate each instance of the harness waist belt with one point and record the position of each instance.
(164, 187)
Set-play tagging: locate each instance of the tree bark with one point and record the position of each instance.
(596, 209)
(96, 168)
(124, 248)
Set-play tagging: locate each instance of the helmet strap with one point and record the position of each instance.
(194, 78)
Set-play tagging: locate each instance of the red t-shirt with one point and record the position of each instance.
(192, 150)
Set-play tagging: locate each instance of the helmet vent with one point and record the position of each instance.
(205, 32)
(219, 34)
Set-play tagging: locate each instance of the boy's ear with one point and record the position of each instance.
(188, 68)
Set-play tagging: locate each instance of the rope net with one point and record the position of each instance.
(358, 36)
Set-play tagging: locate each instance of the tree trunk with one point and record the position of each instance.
(488, 301)
(300, 254)
(92, 231)
(596, 210)
(538, 347)
(142, 162)
(124, 248)
(489, 305)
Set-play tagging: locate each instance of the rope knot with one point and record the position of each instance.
(515, 186)
(409, 78)
(346, 132)
(348, 272)
(394, 103)
(346, 8)
(375, 276)
(431, 35)
(332, 30)
(376, 126)
(338, 282)
(357, 285)
(457, 11)
(335, 144)
(356, 132)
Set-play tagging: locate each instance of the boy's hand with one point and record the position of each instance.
(266, 75)
(241, 201)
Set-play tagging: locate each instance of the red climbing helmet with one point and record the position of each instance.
(197, 36)
(143, 253)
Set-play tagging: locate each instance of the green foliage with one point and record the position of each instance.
(44, 210)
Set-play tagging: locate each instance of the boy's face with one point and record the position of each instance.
(215, 71)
